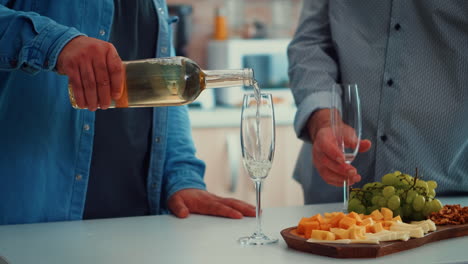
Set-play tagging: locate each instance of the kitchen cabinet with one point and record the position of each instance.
(225, 175)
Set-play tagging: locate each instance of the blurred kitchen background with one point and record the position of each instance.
(233, 34)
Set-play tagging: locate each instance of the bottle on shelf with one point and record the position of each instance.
(170, 81)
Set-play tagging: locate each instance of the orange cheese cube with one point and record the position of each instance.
(346, 222)
(356, 216)
(340, 233)
(386, 213)
(300, 226)
(325, 226)
(322, 235)
(376, 215)
(357, 232)
(309, 227)
(377, 227)
(318, 218)
(336, 219)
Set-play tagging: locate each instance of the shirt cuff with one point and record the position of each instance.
(44, 51)
(308, 106)
(184, 180)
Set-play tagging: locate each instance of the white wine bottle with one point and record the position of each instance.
(170, 81)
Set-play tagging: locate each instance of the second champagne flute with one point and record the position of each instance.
(258, 148)
(345, 118)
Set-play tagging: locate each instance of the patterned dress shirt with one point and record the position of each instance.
(410, 61)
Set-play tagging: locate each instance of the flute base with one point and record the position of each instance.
(257, 239)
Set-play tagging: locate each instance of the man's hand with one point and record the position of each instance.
(327, 157)
(187, 201)
(94, 69)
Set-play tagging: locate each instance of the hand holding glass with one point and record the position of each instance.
(258, 147)
(345, 118)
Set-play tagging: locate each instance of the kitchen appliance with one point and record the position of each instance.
(268, 59)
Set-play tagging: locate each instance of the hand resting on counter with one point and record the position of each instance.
(196, 201)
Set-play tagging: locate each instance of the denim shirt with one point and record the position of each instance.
(46, 145)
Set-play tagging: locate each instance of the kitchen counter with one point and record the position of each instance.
(230, 116)
(198, 239)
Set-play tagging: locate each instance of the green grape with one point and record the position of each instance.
(352, 194)
(422, 184)
(397, 212)
(431, 184)
(354, 202)
(397, 173)
(427, 209)
(375, 199)
(410, 196)
(389, 179)
(377, 184)
(407, 210)
(382, 202)
(393, 202)
(400, 192)
(402, 181)
(360, 209)
(366, 186)
(417, 216)
(431, 192)
(388, 191)
(418, 203)
(436, 205)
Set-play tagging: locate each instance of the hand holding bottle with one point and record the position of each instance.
(94, 69)
(327, 158)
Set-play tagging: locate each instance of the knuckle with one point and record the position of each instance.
(93, 46)
(115, 68)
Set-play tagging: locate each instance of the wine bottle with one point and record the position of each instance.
(170, 81)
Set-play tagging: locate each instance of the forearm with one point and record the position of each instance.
(31, 42)
(312, 64)
(182, 168)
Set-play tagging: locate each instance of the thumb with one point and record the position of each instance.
(178, 207)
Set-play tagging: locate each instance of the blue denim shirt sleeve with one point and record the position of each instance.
(38, 40)
(312, 64)
(182, 169)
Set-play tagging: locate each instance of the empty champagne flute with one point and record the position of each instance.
(258, 147)
(345, 118)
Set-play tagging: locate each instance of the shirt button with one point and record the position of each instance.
(163, 49)
(157, 139)
(383, 138)
(102, 32)
(78, 177)
(397, 26)
(86, 127)
(390, 82)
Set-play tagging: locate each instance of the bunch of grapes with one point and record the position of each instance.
(411, 198)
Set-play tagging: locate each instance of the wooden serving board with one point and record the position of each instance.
(370, 250)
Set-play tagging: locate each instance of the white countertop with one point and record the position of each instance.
(198, 239)
(230, 116)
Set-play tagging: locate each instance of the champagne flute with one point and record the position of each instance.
(258, 147)
(345, 118)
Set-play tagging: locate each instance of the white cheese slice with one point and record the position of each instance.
(338, 241)
(414, 231)
(344, 241)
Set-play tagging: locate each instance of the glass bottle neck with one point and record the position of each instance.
(228, 78)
